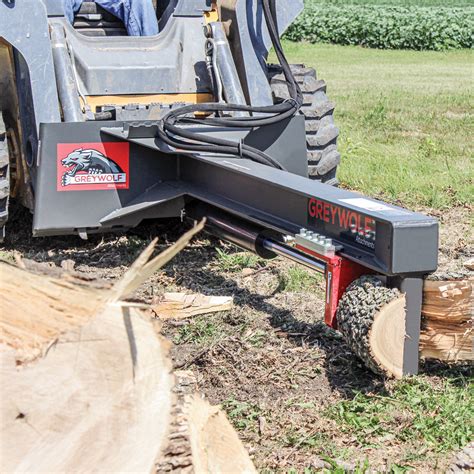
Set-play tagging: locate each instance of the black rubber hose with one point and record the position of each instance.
(178, 137)
(287, 106)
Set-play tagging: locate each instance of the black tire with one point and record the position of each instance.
(4, 179)
(318, 110)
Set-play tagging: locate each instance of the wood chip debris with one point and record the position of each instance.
(182, 306)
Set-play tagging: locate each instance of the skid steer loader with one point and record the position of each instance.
(103, 131)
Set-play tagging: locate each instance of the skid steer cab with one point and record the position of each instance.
(101, 131)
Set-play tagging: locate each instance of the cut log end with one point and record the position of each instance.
(371, 318)
(87, 383)
(387, 337)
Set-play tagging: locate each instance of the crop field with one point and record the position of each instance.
(300, 400)
(401, 3)
(383, 25)
(406, 121)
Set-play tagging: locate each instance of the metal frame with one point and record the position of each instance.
(400, 241)
(370, 236)
(269, 205)
(24, 25)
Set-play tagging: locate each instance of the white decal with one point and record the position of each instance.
(369, 205)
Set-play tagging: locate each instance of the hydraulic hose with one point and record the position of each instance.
(172, 132)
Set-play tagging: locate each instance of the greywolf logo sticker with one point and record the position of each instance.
(90, 167)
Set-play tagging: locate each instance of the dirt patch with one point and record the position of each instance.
(456, 238)
(271, 361)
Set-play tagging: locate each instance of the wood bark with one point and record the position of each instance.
(201, 438)
(371, 318)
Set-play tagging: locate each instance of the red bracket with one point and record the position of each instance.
(340, 273)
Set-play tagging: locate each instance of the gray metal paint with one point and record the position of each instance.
(412, 287)
(171, 62)
(284, 141)
(279, 200)
(252, 42)
(151, 65)
(419, 240)
(24, 25)
(65, 80)
(272, 198)
(84, 209)
(233, 92)
(192, 8)
(54, 7)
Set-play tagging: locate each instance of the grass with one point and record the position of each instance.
(439, 418)
(402, 3)
(406, 121)
(202, 330)
(243, 415)
(297, 279)
(236, 261)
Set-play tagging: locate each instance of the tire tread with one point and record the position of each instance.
(318, 110)
(4, 182)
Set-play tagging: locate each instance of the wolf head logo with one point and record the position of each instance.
(87, 161)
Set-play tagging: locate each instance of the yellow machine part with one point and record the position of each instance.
(95, 101)
(212, 15)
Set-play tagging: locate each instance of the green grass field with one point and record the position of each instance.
(402, 3)
(406, 120)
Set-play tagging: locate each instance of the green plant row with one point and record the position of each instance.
(401, 3)
(385, 27)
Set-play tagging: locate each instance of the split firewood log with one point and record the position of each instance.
(448, 316)
(182, 305)
(87, 384)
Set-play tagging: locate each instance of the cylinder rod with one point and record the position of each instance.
(248, 236)
(65, 79)
(227, 70)
(294, 255)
